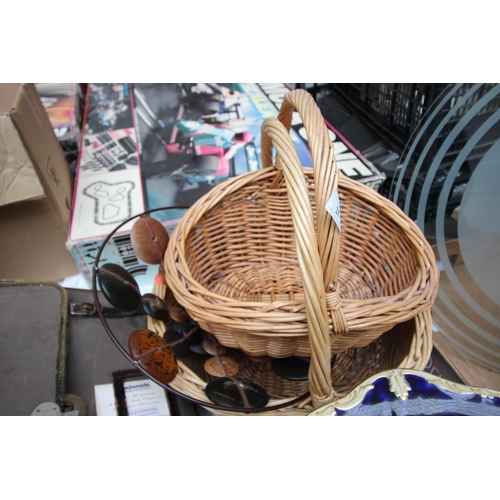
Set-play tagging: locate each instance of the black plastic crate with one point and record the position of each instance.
(393, 110)
(455, 117)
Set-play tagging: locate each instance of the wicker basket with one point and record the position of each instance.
(407, 345)
(260, 263)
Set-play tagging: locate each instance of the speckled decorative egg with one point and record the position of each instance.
(153, 354)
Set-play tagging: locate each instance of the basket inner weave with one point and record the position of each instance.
(244, 247)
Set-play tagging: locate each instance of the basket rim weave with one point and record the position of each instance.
(198, 209)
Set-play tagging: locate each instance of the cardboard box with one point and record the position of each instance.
(36, 188)
(148, 146)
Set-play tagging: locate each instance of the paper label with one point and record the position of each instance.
(143, 398)
(333, 207)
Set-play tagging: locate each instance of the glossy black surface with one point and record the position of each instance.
(181, 349)
(119, 287)
(186, 329)
(291, 368)
(231, 393)
(155, 307)
(199, 349)
(198, 340)
(178, 314)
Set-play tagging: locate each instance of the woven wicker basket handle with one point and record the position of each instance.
(326, 176)
(320, 381)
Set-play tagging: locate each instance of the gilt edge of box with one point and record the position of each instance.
(148, 146)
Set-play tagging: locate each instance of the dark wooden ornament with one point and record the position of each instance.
(214, 348)
(119, 287)
(155, 307)
(179, 315)
(181, 345)
(236, 393)
(149, 239)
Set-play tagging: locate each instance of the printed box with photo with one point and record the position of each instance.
(163, 146)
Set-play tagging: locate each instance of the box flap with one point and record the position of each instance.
(8, 94)
(44, 150)
(18, 178)
(33, 240)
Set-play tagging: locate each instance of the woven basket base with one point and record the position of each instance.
(407, 345)
(260, 283)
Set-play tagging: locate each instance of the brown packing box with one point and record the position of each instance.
(36, 188)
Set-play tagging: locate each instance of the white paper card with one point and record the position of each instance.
(143, 398)
(333, 207)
